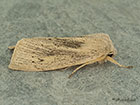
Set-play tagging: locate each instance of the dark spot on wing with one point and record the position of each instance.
(41, 60)
(49, 39)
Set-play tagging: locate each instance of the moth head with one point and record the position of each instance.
(112, 53)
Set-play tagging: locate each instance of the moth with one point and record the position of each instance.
(54, 53)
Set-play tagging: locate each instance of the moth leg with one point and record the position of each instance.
(90, 62)
(11, 47)
(77, 69)
(115, 62)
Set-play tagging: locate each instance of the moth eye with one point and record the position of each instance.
(110, 55)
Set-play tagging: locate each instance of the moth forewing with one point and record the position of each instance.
(54, 53)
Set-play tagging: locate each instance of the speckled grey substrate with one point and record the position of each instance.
(105, 84)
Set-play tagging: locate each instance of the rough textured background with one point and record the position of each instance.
(95, 84)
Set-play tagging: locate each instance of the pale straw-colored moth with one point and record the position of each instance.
(54, 53)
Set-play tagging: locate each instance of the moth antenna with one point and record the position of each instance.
(115, 62)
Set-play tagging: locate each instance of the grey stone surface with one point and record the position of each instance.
(105, 84)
